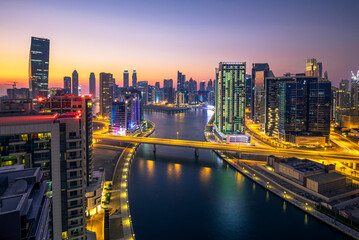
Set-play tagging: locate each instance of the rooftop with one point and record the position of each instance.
(326, 177)
(302, 165)
(97, 177)
(28, 119)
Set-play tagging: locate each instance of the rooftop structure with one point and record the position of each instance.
(317, 179)
(24, 208)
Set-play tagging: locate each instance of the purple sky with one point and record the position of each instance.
(161, 37)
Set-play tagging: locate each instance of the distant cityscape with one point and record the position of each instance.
(51, 188)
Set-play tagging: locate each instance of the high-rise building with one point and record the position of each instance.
(126, 79)
(134, 78)
(181, 79)
(311, 69)
(298, 108)
(249, 96)
(202, 86)
(210, 85)
(167, 83)
(39, 67)
(92, 86)
(143, 88)
(179, 99)
(344, 85)
(106, 94)
(168, 90)
(326, 75)
(75, 83)
(260, 71)
(157, 85)
(126, 114)
(18, 93)
(320, 70)
(230, 98)
(53, 143)
(81, 104)
(67, 85)
(151, 94)
(24, 206)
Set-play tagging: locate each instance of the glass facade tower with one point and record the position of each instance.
(39, 67)
(92, 88)
(75, 83)
(125, 79)
(106, 93)
(134, 78)
(230, 98)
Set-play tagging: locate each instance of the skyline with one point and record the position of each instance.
(163, 37)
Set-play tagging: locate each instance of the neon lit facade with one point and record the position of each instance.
(230, 98)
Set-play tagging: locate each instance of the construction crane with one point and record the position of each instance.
(13, 84)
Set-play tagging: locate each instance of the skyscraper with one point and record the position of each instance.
(230, 98)
(168, 90)
(92, 87)
(181, 79)
(126, 114)
(143, 88)
(210, 85)
(75, 83)
(320, 69)
(67, 85)
(202, 86)
(125, 80)
(311, 67)
(134, 78)
(39, 67)
(298, 108)
(106, 94)
(53, 143)
(249, 93)
(260, 71)
(344, 85)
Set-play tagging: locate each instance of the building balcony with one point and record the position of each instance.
(71, 198)
(73, 159)
(73, 139)
(16, 153)
(72, 168)
(41, 160)
(73, 149)
(17, 143)
(43, 140)
(75, 207)
(73, 227)
(72, 178)
(76, 187)
(42, 150)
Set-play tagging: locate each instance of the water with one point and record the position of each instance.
(174, 196)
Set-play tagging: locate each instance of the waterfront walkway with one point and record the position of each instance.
(120, 220)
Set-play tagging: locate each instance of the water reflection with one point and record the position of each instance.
(267, 196)
(141, 165)
(284, 206)
(239, 179)
(150, 168)
(305, 219)
(178, 168)
(174, 171)
(205, 175)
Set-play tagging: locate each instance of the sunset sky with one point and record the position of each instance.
(160, 37)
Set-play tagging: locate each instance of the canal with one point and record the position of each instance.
(172, 195)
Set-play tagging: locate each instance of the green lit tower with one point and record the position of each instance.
(230, 99)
